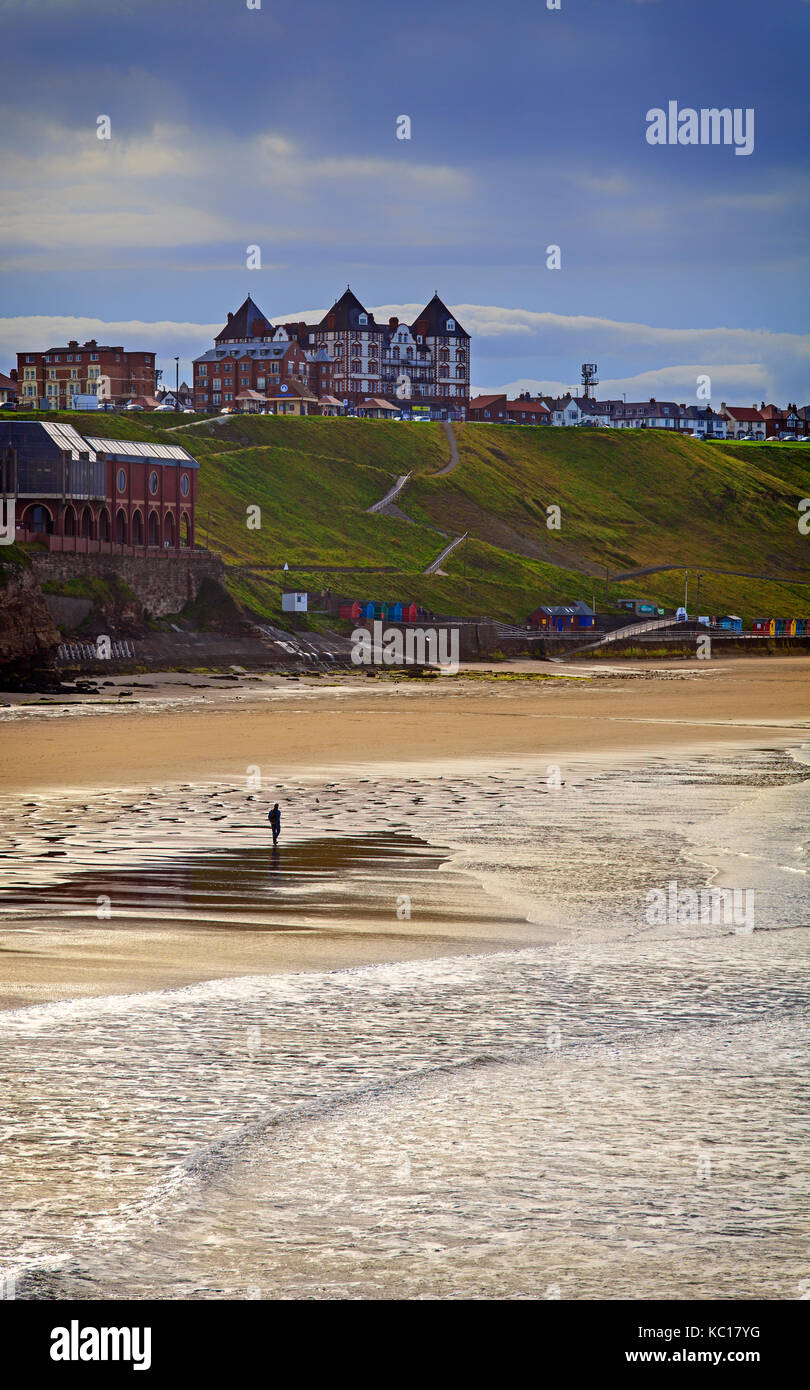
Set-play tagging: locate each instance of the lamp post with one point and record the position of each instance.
(177, 383)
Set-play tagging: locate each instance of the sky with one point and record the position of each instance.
(276, 126)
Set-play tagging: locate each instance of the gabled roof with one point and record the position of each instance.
(247, 322)
(481, 402)
(279, 391)
(533, 407)
(345, 314)
(742, 412)
(433, 321)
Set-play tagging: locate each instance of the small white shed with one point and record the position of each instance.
(292, 601)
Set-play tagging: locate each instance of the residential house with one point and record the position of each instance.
(525, 411)
(703, 422)
(490, 409)
(651, 415)
(780, 423)
(742, 420)
(8, 386)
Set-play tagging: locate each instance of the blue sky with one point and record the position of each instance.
(277, 127)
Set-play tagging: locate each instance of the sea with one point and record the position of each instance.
(567, 1099)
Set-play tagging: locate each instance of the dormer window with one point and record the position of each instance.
(451, 324)
(362, 318)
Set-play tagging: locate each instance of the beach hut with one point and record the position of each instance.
(780, 627)
(730, 623)
(393, 612)
(801, 627)
(761, 625)
(368, 610)
(410, 612)
(350, 610)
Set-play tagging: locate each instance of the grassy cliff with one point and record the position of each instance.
(628, 500)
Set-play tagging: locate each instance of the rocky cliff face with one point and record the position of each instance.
(28, 636)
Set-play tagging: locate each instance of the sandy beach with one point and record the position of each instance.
(166, 789)
(440, 994)
(173, 734)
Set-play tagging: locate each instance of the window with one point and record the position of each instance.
(184, 484)
(216, 398)
(203, 369)
(121, 480)
(30, 357)
(153, 482)
(93, 356)
(362, 318)
(451, 323)
(216, 383)
(261, 382)
(69, 357)
(229, 395)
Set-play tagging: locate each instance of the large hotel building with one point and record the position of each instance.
(348, 360)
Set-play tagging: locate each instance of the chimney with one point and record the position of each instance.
(393, 322)
(230, 316)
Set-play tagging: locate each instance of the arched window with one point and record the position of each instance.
(87, 523)
(185, 530)
(121, 526)
(168, 529)
(154, 529)
(104, 524)
(122, 480)
(38, 518)
(153, 482)
(69, 522)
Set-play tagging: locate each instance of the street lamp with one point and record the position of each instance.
(177, 383)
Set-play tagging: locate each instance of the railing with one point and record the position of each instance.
(86, 652)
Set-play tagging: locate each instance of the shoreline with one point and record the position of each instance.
(143, 790)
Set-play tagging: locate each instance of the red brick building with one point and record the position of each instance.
(49, 379)
(424, 366)
(96, 495)
(261, 364)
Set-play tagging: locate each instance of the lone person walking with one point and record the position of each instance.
(274, 817)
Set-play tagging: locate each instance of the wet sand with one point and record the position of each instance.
(199, 735)
(149, 810)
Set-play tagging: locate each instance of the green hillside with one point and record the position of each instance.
(628, 500)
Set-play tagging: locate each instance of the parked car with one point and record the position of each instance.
(228, 410)
(8, 405)
(132, 405)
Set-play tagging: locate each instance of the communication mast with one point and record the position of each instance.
(589, 378)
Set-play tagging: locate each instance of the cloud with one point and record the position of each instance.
(512, 350)
(177, 186)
